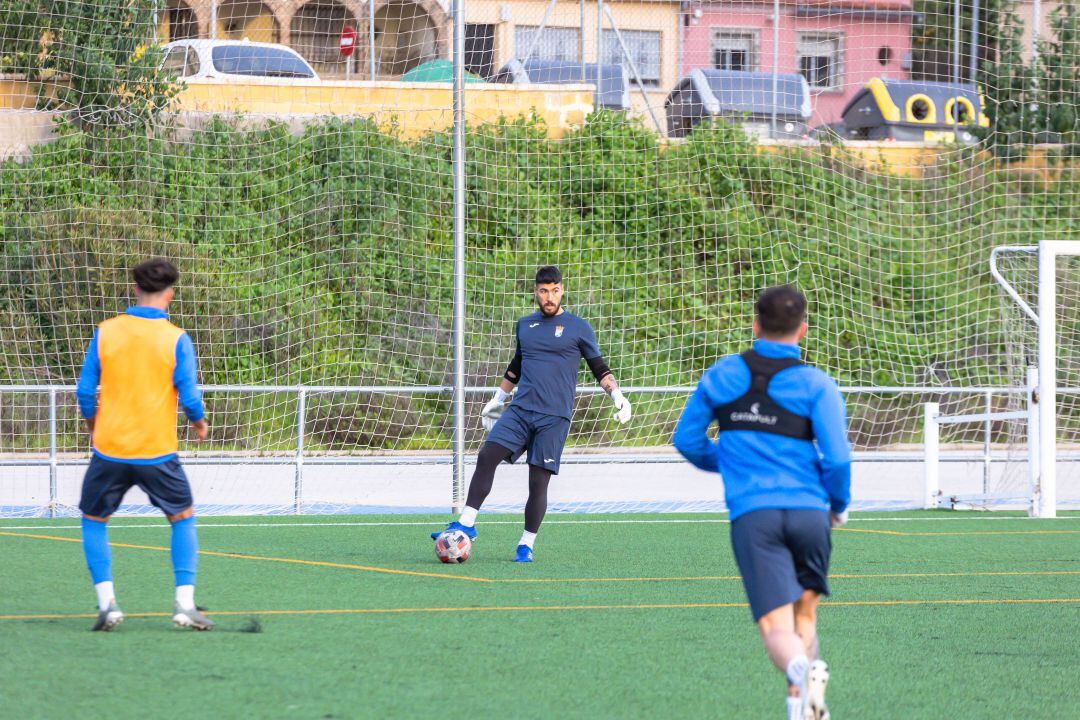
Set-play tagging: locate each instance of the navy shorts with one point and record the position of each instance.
(780, 554)
(542, 435)
(106, 482)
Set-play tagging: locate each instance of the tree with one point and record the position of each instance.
(1059, 74)
(105, 49)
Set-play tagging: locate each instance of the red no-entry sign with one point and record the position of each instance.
(348, 41)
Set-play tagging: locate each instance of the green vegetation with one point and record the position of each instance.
(963, 615)
(104, 53)
(326, 258)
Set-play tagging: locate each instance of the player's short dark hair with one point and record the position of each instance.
(155, 275)
(780, 310)
(548, 274)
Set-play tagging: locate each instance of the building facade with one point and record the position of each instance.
(837, 46)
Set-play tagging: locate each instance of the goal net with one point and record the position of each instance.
(871, 152)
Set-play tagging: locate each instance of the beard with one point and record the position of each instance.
(549, 309)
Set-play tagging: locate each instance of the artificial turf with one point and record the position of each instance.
(932, 615)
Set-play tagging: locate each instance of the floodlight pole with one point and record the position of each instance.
(459, 255)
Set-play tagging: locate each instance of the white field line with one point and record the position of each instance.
(411, 523)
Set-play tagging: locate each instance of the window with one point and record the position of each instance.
(174, 61)
(734, 50)
(819, 58)
(554, 43)
(316, 31)
(182, 23)
(258, 60)
(643, 47)
(480, 49)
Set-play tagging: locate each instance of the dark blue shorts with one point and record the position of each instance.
(780, 554)
(106, 482)
(542, 435)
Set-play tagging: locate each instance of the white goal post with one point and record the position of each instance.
(1040, 406)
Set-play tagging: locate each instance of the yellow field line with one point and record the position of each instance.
(542, 581)
(562, 608)
(263, 558)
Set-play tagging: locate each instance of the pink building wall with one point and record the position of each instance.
(861, 40)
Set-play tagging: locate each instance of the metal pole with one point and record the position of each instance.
(371, 38)
(974, 62)
(581, 45)
(931, 457)
(633, 70)
(1046, 488)
(52, 452)
(987, 427)
(459, 256)
(539, 31)
(298, 481)
(955, 119)
(1036, 31)
(599, 39)
(775, 63)
(1033, 437)
(213, 19)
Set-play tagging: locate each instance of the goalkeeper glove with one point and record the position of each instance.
(622, 406)
(839, 519)
(494, 409)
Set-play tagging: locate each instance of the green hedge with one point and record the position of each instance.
(327, 257)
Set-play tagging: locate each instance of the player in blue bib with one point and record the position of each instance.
(783, 451)
(551, 343)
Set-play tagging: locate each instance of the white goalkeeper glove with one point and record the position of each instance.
(622, 406)
(494, 409)
(839, 519)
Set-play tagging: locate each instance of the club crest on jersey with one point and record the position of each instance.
(558, 330)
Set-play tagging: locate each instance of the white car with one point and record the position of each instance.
(235, 60)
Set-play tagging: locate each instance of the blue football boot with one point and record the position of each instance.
(524, 554)
(470, 531)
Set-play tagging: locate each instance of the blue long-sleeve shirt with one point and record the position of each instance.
(185, 376)
(764, 470)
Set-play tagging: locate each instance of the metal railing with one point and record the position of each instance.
(300, 457)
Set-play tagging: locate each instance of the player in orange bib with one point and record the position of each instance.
(143, 365)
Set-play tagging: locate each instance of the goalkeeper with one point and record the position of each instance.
(550, 345)
(783, 451)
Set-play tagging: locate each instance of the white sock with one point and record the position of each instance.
(105, 594)
(796, 670)
(468, 516)
(185, 597)
(795, 708)
(527, 538)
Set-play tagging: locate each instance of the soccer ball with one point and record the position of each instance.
(453, 546)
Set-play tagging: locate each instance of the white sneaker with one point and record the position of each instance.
(108, 619)
(192, 618)
(817, 679)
